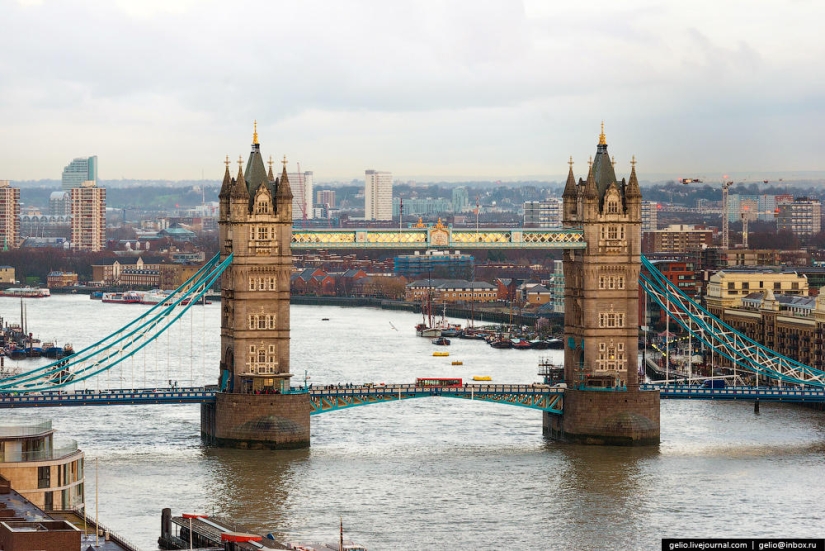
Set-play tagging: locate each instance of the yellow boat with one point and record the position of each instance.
(482, 378)
(441, 353)
(458, 362)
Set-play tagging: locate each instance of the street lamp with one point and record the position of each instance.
(190, 516)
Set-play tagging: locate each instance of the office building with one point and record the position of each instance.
(82, 169)
(88, 217)
(378, 195)
(9, 215)
(434, 264)
(301, 183)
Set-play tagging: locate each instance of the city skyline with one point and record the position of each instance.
(455, 91)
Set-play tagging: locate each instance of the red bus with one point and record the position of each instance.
(437, 381)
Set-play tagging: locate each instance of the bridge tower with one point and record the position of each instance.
(254, 408)
(603, 403)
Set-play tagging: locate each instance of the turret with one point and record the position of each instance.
(569, 197)
(226, 191)
(283, 196)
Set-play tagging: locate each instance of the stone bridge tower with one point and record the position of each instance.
(254, 408)
(603, 403)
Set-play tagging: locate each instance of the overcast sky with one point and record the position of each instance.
(165, 89)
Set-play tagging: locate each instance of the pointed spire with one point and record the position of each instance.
(239, 190)
(570, 186)
(284, 191)
(270, 176)
(255, 134)
(633, 191)
(226, 187)
(602, 139)
(590, 191)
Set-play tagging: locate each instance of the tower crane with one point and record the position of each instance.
(725, 232)
(744, 214)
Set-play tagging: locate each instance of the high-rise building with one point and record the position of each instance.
(542, 214)
(325, 197)
(81, 169)
(650, 216)
(9, 215)
(802, 217)
(88, 217)
(378, 195)
(461, 200)
(302, 195)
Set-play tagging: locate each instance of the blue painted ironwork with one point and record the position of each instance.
(722, 338)
(121, 344)
(748, 393)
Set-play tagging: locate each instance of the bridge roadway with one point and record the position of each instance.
(333, 398)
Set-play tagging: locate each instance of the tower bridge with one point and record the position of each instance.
(601, 241)
(255, 405)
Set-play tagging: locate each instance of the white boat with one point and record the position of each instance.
(155, 296)
(129, 297)
(26, 292)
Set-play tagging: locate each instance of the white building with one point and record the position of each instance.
(543, 214)
(650, 216)
(802, 217)
(378, 195)
(301, 185)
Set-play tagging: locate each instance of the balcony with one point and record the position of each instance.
(60, 451)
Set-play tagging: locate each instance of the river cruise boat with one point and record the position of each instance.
(26, 292)
(129, 297)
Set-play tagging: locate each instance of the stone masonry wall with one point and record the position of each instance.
(629, 418)
(257, 421)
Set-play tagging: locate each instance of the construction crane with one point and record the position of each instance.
(745, 217)
(725, 232)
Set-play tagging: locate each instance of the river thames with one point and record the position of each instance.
(434, 473)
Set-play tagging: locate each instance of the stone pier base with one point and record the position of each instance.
(626, 418)
(257, 421)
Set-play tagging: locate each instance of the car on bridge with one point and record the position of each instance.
(714, 383)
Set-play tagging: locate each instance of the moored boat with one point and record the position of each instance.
(441, 341)
(129, 297)
(26, 292)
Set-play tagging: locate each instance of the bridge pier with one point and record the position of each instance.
(257, 421)
(616, 418)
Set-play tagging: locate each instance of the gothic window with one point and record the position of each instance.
(252, 284)
(262, 205)
(261, 321)
(261, 284)
(263, 233)
(611, 319)
(271, 283)
(252, 232)
(262, 356)
(612, 206)
(612, 232)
